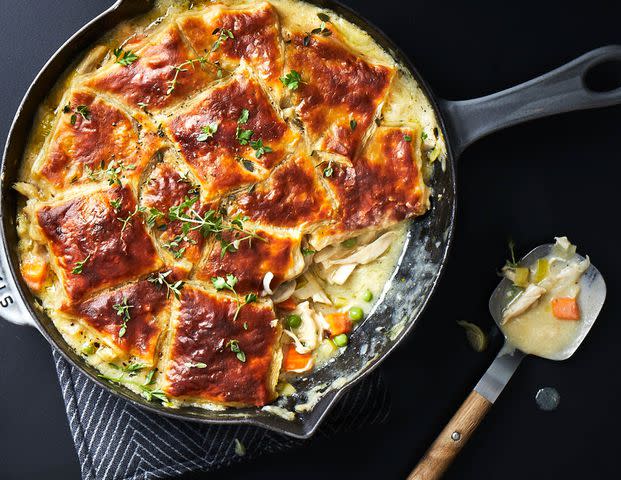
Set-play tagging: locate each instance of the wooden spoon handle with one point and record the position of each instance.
(452, 439)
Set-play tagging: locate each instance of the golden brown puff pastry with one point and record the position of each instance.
(292, 197)
(135, 332)
(256, 39)
(167, 70)
(97, 240)
(250, 261)
(384, 186)
(217, 356)
(340, 94)
(231, 136)
(93, 136)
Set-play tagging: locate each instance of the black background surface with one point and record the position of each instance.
(550, 177)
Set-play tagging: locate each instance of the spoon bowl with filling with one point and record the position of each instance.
(545, 305)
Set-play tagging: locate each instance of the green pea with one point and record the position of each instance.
(341, 340)
(356, 314)
(294, 321)
(349, 243)
(367, 296)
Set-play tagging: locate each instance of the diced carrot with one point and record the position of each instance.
(297, 362)
(34, 270)
(339, 323)
(565, 308)
(287, 305)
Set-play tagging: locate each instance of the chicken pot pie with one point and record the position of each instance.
(207, 192)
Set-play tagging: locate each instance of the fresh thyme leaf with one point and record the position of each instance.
(149, 378)
(407, 138)
(116, 204)
(67, 108)
(134, 367)
(228, 283)
(127, 221)
(84, 111)
(207, 132)
(259, 148)
(243, 117)
(74, 118)
(511, 263)
(306, 41)
(236, 349)
(122, 310)
(292, 80)
(160, 279)
(223, 35)
(328, 171)
(245, 325)
(243, 136)
(196, 365)
(125, 58)
(323, 17)
(77, 270)
(423, 135)
(154, 216)
(353, 124)
(172, 84)
(308, 251)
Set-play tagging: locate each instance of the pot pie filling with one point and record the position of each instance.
(202, 190)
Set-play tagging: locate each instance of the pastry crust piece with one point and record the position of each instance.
(164, 189)
(231, 136)
(97, 240)
(147, 309)
(230, 36)
(166, 71)
(214, 357)
(278, 253)
(383, 186)
(340, 94)
(292, 197)
(94, 140)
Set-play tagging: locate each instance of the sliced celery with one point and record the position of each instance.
(521, 276)
(543, 269)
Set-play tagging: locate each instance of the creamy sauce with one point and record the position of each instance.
(537, 330)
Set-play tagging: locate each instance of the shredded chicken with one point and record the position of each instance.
(336, 269)
(312, 289)
(309, 334)
(523, 302)
(284, 291)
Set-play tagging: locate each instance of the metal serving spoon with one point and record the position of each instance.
(465, 421)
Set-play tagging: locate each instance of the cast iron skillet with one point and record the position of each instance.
(423, 258)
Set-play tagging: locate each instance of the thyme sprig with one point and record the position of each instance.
(182, 67)
(146, 391)
(127, 221)
(210, 224)
(79, 266)
(236, 349)
(228, 283)
(160, 278)
(223, 35)
(122, 310)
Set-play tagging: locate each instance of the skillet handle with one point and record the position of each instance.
(561, 90)
(11, 307)
(452, 439)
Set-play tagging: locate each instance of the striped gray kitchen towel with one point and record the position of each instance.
(116, 440)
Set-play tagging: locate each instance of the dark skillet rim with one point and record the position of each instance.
(296, 430)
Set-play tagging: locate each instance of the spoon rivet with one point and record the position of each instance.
(456, 436)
